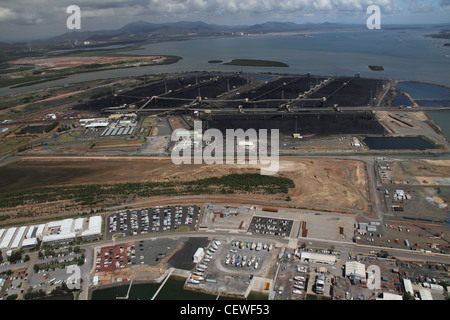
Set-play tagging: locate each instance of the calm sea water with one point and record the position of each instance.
(424, 94)
(442, 119)
(172, 290)
(424, 91)
(322, 53)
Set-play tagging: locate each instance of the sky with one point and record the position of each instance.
(42, 19)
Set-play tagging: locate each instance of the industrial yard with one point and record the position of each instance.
(97, 173)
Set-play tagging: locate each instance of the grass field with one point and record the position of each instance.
(7, 145)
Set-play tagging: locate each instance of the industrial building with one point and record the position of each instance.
(198, 255)
(68, 230)
(53, 232)
(94, 229)
(317, 257)
(355, 270)
(389, 296)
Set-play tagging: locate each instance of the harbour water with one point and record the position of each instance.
(442, 119)
(323, 53)
(172, 290)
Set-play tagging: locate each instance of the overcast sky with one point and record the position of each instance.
(28, 19)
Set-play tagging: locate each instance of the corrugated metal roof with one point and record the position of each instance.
(8, 237)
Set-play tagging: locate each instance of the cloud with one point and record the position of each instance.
(416, 6)
(178, 7)
(6, 14)
(25, 12)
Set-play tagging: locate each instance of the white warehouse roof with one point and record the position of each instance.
(18, 237)
(95, 226)
(78, 224)
(59, 237)
(66, 225)
(355, 268)
(408, 286)
(318, 257)
(97, 124)
(29, 242)
(40, 230)
(390, 296)
(30, 232)
(8, 237)
(425, 294)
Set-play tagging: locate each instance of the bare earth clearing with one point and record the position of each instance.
(336, 184)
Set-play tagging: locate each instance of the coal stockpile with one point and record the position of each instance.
(350, 91)
(138, 96)
(210, 89)
(323, 124)
(282, 88)
(110, 101)
(163, 86)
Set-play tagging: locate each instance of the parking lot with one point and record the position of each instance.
(159, 219)
(271, 226)
(230, 266)
(12, 283)
(53, 269)
(143, 253)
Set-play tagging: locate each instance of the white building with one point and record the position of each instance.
(408, 286)
(69, 229)
(198, 255)
(425, 294)
(356, 270)
(7, 238)
(18, 238)
(317, 257)
(247, 145)
(94, 227)
(390, 296)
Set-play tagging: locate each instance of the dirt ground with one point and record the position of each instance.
(424, 172)
(70, 62)
(339, 184)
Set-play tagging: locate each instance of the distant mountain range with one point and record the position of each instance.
(141, 31)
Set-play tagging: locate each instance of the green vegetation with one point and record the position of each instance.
(69, 136)
(376, 68)
(15, 256)
(98, 194)
(30, 83)
(9, 144)
(26, 80)
(15, 69)
(444, 34)
(51, 127)
(147, 124)
(256, 63)
(215, 61)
